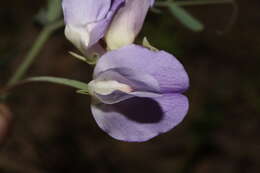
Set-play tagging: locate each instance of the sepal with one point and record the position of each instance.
(148, 45)
(92, 60)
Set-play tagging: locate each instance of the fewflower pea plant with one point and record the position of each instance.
(137, 90)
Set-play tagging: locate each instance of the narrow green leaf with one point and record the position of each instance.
(57, 80)
(203, 2)
(185, 18)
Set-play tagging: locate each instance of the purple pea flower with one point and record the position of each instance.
(127, 23)
(87, 20)
(137, 93)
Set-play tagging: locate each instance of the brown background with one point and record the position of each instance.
(54, 132)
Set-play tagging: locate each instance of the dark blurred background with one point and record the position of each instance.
(54, 131)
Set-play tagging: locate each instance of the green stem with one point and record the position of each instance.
(203, 2)
(34, 51)
(162, 4)
(197, 2)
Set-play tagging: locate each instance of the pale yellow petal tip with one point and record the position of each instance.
(107, 87)
(78, 36)
(116, 40)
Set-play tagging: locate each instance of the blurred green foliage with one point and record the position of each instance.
(51, 13)
(186, 18)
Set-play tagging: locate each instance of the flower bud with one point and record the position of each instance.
(78, 36)
(87, 20)
(127, 23)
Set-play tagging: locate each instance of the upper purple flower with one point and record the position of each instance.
(127, 23)
(87, 20)
(138, 93)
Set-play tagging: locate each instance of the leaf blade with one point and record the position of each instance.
(185, 18)
(62, 81)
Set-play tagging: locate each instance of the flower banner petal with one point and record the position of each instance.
(164, 67)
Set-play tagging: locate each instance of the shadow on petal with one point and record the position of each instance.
(140, 119)
(141, 110)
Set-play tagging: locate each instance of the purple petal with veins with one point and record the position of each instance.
(164, 67)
